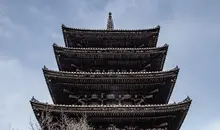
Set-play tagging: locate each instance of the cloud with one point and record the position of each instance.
(43, 13)
(3, 31)
(213, 125)
(9, 29)
(18, 84)
(57, 37)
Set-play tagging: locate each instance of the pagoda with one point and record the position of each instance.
(116, 78)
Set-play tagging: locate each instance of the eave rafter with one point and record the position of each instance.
(152, 108)
(101, 109)
(111, 53)
(113, 97)
(150, 50)
(156, 74)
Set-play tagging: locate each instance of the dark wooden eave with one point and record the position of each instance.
(62, 84)
(174, 114)
(115, 34)
(72, 59)
(69, 29)
(126, 75)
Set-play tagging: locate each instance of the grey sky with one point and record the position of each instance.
(28, 28)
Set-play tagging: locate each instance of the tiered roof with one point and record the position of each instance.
(114, 77)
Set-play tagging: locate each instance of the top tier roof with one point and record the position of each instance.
(110, 37)
(126, 31)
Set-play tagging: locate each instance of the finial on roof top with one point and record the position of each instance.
(110, 24)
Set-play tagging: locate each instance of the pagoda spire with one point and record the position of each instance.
(110, 24)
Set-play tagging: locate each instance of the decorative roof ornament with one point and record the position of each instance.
(187, 99)
(54, 44)
(110, 24)
(45, 68)
(33, 99)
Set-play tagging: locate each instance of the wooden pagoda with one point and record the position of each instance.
(116, 78)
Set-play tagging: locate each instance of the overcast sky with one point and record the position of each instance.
(29, 27)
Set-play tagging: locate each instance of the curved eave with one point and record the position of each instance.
(83, 50)
(146, 109)
(184, 105)
(48, 86)
(51, 73)
(69, 29)
(172, 87)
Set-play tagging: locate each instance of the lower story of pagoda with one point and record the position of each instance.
(129, 117)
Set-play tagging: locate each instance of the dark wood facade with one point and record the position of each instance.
(111, 87)
(116, 78)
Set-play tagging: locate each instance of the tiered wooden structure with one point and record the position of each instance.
(116, 78)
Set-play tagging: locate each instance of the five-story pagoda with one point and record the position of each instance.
(116, 78)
